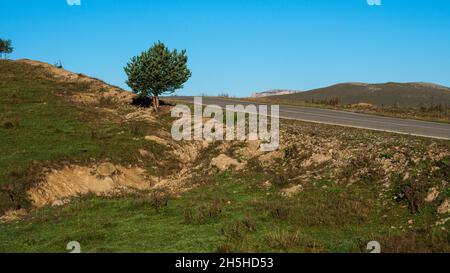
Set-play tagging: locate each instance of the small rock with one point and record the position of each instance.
(406, 177)
(410, 222)
(442, 222)
(289, 192)
(144, 153)
(106, 169)
(157, 140)
(267, 184)
(435, 168)
(252, 149)
(433, 194)
(223, 163)
(444, 207)
(58, 203)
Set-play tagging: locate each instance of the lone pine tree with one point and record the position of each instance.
(157, 71)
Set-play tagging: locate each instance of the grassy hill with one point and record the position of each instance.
(328, 189)
(386, 94)
(50, 117)
(423, 101)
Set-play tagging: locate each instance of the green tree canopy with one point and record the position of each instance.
(5, 47)
(157, 71)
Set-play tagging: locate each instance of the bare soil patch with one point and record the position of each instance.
(73, 181)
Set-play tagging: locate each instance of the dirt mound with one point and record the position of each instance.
(73, 181)
(158, 140)
(13, 215)
(223, 163)
(141, 115)
(101, 90)
(57, 73)
(269, 158)
(251, 149)
(317, 159)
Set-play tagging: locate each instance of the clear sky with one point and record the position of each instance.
(241, 46)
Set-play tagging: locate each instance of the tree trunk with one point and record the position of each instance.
(155, 103)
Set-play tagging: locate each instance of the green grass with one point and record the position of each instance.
(51, 130)
(226, 212)
(314, 221)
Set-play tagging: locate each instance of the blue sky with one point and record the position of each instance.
(241, 46)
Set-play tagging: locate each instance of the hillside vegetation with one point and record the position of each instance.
(406, 100)
(80, 163)
(385, 94)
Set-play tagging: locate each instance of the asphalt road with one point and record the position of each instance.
(343, 118)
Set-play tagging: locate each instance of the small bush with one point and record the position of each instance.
(105, 101)
(189, 216)
(13, 194)
(234, 231)
(212, 211)
(283, 239)
(280, 212)
(413, 189)
(279, 178)
(159, 199)
(58, 65)
(329, 101)
(290, 152)
(227, 247)
(249, 223)
(205, 213)
(137, 128)
(8, 125)
(363, 165)
(277, 209)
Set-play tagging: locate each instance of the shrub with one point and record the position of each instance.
(283, 239)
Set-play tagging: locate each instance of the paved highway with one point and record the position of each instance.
(343, 118)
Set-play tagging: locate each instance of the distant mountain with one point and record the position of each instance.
(276, 92)
(414, 94)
